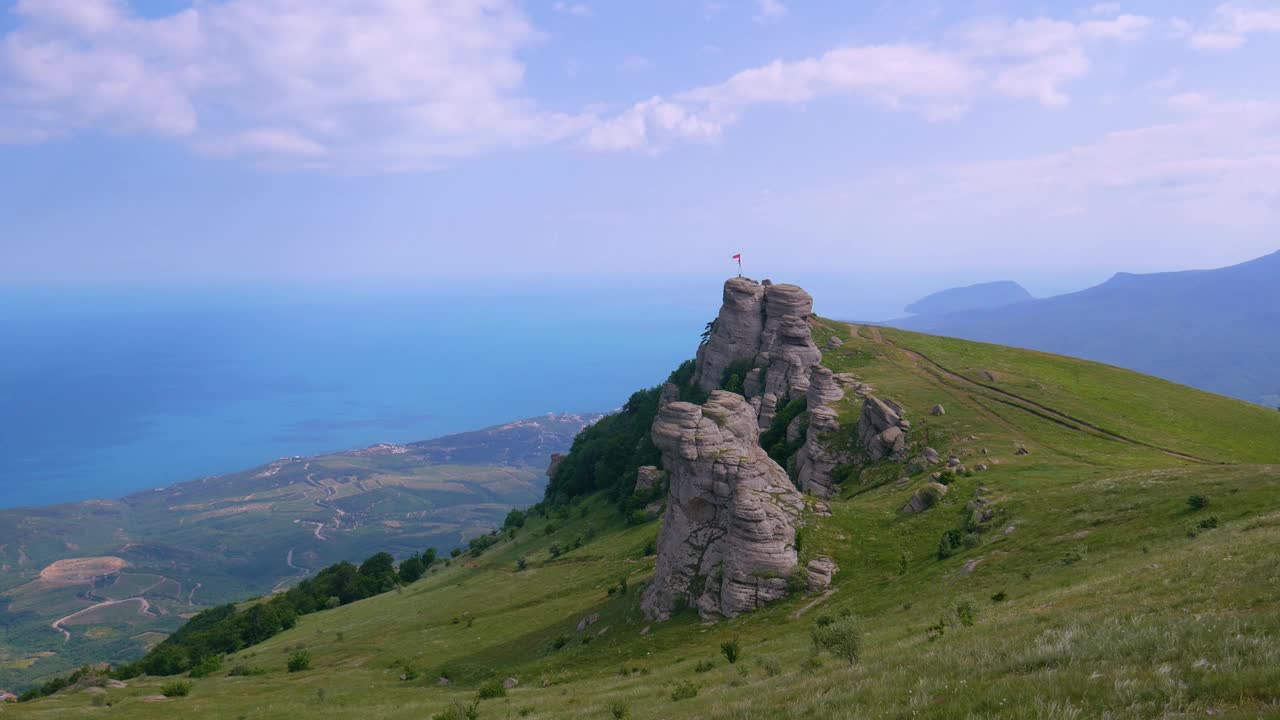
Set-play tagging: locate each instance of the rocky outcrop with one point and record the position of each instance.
(925, 498)
(649, 477)
(554, 465)
(727, 543)
(818, 573)
(880, 429)
(766, 326)
(817, 458)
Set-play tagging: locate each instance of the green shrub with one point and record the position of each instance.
(555, 550)
(965, 612)
(841, 637)
(618, 710)
(1197, 502)
(560, 641)
(1071, 557)
(242, 670)
(1209, 523)
(811, 664)
(521, 564)
(650, 549)
(684, 691)
(999, 597)
(491, 689)
(176, 689)
(769, 665)
(299, 661)
(704, 666)
(937, 630)
(730, 650)
(208, 665)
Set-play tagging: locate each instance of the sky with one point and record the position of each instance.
(338, 140)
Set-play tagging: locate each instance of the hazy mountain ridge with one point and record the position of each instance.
(1212, 329)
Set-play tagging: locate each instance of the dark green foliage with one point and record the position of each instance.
(243, 670)
(299, 661)
(458, 711)
(684, 691)
(521, 564)
(605, 456)
(704, 666)
(176, 689)
(515, 519)
(774, 440)
(731, 650)
(1209, 523)
(841, 637)
(1197, 502)
(207, 666)
(555, 550)
(622, 586)
(491, 689)
(455, 552)
(965, 612)
(479, 544)
(735, 375)
(950, 541)
(224, 630)
(618, 710)
(650, 549)
(412, 569)
(708, 331)
(999, 597)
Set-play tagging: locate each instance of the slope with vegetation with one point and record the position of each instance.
(1116, 559)
(103, 580)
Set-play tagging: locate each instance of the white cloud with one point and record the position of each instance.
(375, 85)
(651, 125)
(576, 9)
(1232, 25)
(768, 11)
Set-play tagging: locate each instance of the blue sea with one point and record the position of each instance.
(107, 391)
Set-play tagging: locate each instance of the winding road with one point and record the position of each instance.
(144, 608)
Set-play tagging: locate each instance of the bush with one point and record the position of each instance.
(769, 665)
(704, 666)
(1209, 523)
(619, 710)
(555, 550)
(521, 564)
(491, 689)
(650, 549)
(560, 641)
(299, 661)
(1197, 502)
(841, 637)
(684, 691)
(242, 670)
(730, 650)
(964, 613)
(999, 597)
(207, 666)
(176, 689)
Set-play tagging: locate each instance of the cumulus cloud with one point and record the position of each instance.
(1232, 25)
(377, 85)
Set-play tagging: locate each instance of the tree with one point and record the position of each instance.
(841, 637)
(412, 569)
(515, 519)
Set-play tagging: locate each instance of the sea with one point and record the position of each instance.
(108, 390)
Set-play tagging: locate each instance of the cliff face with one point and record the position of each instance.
(727, 543)
(767, 326)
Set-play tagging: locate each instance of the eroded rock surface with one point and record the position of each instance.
(727, 543)
(817, 458)
(880, 430)
(818, 573)
(767, 326)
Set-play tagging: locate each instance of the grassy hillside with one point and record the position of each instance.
(1096, 589)
(142, 564)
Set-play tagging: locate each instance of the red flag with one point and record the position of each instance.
(737, 257)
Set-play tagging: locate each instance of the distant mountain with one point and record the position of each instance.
(1218, 330)
(973, 297)
(102, 580)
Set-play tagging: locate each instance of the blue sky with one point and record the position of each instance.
(172, 140)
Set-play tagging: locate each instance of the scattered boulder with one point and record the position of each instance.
(95, 691)
(822, 509)
(981, 467)
(988, 376)
(727, 544)
(653, 510)
(649, 477)
(931, 456)
(1022, 450)
(154, 698)
(925, 498)
(833, 342)
(116, 684)
(938, 410)
(442, 681)
(588, 621)
(7, 697)
(510, 683)
(818, 573)
(879, 432)
(645, 630)
(969, 566)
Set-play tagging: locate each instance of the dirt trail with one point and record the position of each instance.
(144, 608)
(1024, 403)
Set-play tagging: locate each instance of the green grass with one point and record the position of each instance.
(1112, 601)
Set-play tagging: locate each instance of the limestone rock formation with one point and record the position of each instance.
(833, 342)
(925, 498)
(880, 429)
(818, 573)
(727, 543)
(767, 326)
(554, 465)
(816, 459)
(649, 477)
(938, 410)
